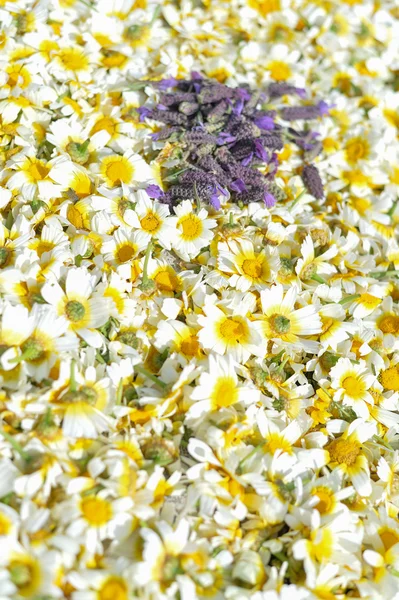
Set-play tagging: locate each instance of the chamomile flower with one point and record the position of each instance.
(227, 331)
(32, 177)
(346, 454)
(219, 389)
(82, 312)
(248, 268)
(282, 323)
(351, 382)
(154, 220)
(125, 170)
(193, 230)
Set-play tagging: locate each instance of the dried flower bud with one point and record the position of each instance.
(312, 180)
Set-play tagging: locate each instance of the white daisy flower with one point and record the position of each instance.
(193, 230)
(351, 382)
(285, 325)
(82, 312)
(220, 389)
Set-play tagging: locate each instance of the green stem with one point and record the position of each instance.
(231, 219)
(378, 274)
(297, 199)
(197, 198)
(161, 384)
(155, 16)
(16, 445)
(349, 298)
(146, 261)
(319, 279)
(248, 456)
(119, 392)
(72, 378)
(392, 209)
(24, 356)
(88, 5)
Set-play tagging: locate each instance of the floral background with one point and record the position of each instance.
(198, 401)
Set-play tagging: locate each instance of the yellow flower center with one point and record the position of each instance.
(321, 545)
(96, 511)
(75, 217)
(166, 280)
(190, 346)
(343, 451)
(389, 537)
(114, 59)
(389, 378)
(279, 324)
(232, 330)
(392, 117)
(113, 589)
(125, 253)
(225, 392)
(118, 170)
(265, 7)
(389, 324)
(369, 301)
(73, 59)
(354, 386)
(252, 268)
(25, 575)
(361, 205)
(105, 124)
(81, 185)
(356, 149)
(43, 247)
(191, 227)
(277, 442)
(75, 311)
(279, 70)
(150, 222)
(5, 524)
(394, 178)
(326, 499)
(37, 170)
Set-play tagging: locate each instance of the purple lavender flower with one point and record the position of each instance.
(154, 191)
(269, 199)
(144, 112)
(284, 89)
(324, 108)
(238, 186)
(165, 84)
(260, 151)
(221, 132)
(264, 123)
(312, 180)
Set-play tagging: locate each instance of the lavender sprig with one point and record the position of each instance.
(225, 134)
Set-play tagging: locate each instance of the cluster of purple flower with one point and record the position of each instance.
(225, 134)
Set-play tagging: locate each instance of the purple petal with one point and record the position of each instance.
(225, 138)
(264, 123)
(324, 108)
(269, 199)
(214, 201)
(154, 191)
(238, 186)
(237, 110)
(196, 75)
(162, 107)
(260, 151)
(246, 161)
(301, 92)
(144, 112)
(164, 84)
(244, 94)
